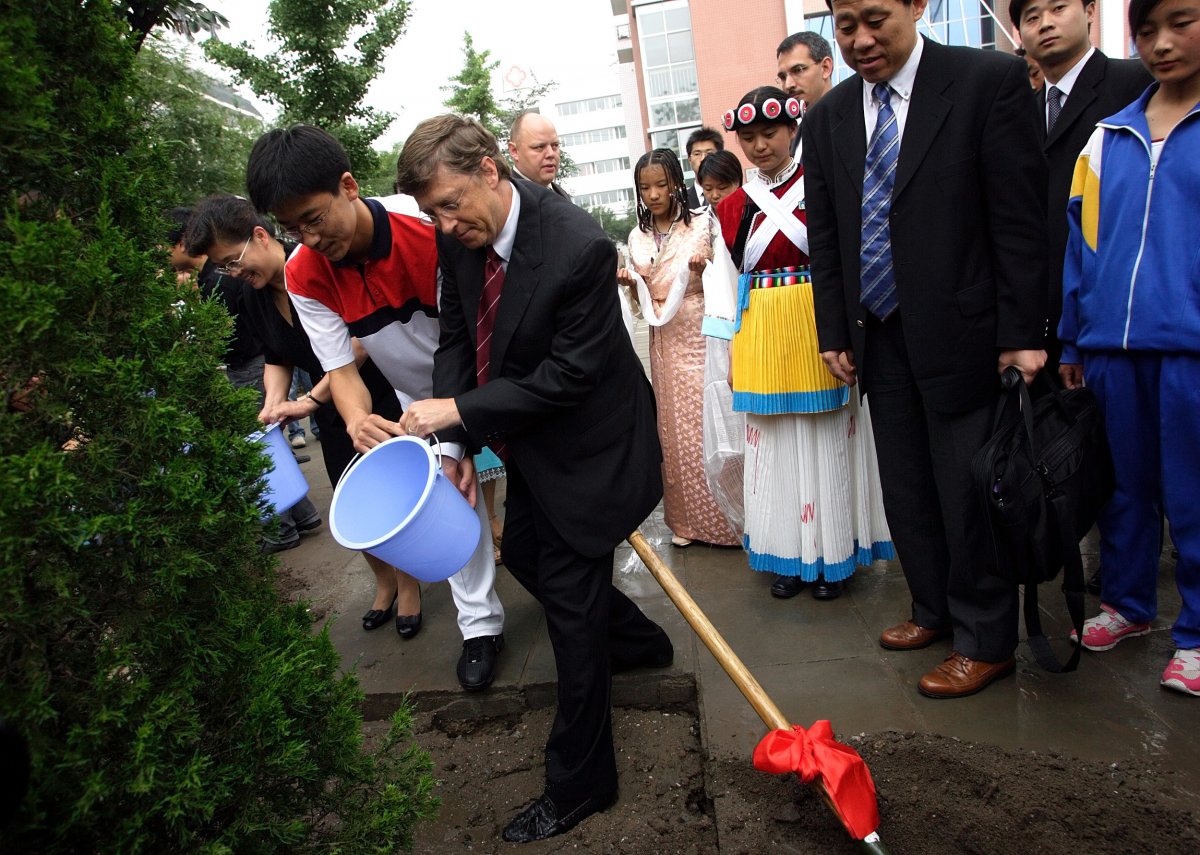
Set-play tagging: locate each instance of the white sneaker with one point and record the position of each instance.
(298, 441)
(1183, 672)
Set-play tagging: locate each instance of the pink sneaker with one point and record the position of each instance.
(1183, 672)
(1107, 628)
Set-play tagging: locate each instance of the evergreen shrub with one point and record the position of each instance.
(170, 700)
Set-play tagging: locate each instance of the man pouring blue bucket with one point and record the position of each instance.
(534, 362)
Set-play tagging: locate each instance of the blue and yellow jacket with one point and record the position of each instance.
(1131, 278)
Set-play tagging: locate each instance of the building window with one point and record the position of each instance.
(607, 197)
(593, 136)
(588, 105)
(599, 167)
(668, 63)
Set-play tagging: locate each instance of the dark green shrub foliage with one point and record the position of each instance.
(170, 700)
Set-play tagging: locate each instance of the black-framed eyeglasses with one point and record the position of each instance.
(311, 227)
(233, 268)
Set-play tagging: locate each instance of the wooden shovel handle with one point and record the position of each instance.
(728, 660)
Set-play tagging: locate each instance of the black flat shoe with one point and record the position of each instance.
(541, 818)
(407, 626)
(376, 618)
(786, 587)
(823, 590)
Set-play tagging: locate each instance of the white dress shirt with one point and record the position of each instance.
(1065, 84)
(902, 89)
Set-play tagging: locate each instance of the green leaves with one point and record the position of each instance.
(171, 702)
(316, 74)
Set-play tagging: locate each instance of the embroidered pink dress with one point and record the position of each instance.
(677, 353)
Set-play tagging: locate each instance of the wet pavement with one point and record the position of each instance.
(816, 659)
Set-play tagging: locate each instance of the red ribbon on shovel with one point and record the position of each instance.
(815, 753)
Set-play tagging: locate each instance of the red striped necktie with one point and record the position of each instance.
(485, 325)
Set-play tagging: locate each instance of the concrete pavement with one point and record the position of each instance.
(817, 660)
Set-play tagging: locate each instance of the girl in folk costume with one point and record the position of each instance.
(813, 506)
(668, 252)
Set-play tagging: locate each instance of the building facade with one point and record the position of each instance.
(694, 59)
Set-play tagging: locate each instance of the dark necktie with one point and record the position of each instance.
(878, 283)
(485, 325)
(1053, 106)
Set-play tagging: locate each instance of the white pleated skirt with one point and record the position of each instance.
(813, 503)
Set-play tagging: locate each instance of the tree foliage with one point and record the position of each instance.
(207, 143)
(471, 89)
(185, 17)
(170, 701)
(322, 61)
(616, 226)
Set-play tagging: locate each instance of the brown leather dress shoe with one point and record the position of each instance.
(959, 676)
(909, 636)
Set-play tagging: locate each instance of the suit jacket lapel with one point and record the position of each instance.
(926, 112)
(1083, 93)
(470, 286)
(521, 277)
(849, 132)
(1041, 101)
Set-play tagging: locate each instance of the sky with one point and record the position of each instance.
(569, 43)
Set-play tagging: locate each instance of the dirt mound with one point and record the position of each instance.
(936, 795)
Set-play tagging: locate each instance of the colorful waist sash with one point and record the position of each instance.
(777, 366)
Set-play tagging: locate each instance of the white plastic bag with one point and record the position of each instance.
(724, 437)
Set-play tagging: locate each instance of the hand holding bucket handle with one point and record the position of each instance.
(460, 473)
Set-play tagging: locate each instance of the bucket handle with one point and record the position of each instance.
(437, 450)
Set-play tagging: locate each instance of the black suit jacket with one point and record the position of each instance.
(567, 393)
(1104, 86)
(967, 221)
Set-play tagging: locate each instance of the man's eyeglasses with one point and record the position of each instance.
(449, 209)
(798, 68)
(311, 227)
(234, 267)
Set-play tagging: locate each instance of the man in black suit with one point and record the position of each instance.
(1082, 87)
(925, 187)
(534, 361)
(700, 144)
(536, 151)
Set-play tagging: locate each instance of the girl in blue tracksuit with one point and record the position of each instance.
(1131, 329)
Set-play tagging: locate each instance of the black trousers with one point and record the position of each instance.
(591, 626)
(936, 518)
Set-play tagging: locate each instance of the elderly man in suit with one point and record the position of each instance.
(1082, 87)
(534, 361)
(926, 222)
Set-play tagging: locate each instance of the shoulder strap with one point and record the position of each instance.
(1064, 521)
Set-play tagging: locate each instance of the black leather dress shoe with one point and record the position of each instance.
(407, 626)
(477, 665)
(376, 618)
(541, 818)
(823, 590)
(786, 587)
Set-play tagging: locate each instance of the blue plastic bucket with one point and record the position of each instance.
(285, 483)
(395, 503)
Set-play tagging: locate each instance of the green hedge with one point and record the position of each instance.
(170, 700)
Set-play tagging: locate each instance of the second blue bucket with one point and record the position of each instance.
(395, 503)
(285, 483)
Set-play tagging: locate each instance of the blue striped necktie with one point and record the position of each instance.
(878, 285)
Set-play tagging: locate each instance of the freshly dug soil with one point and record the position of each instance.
(936, 795)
